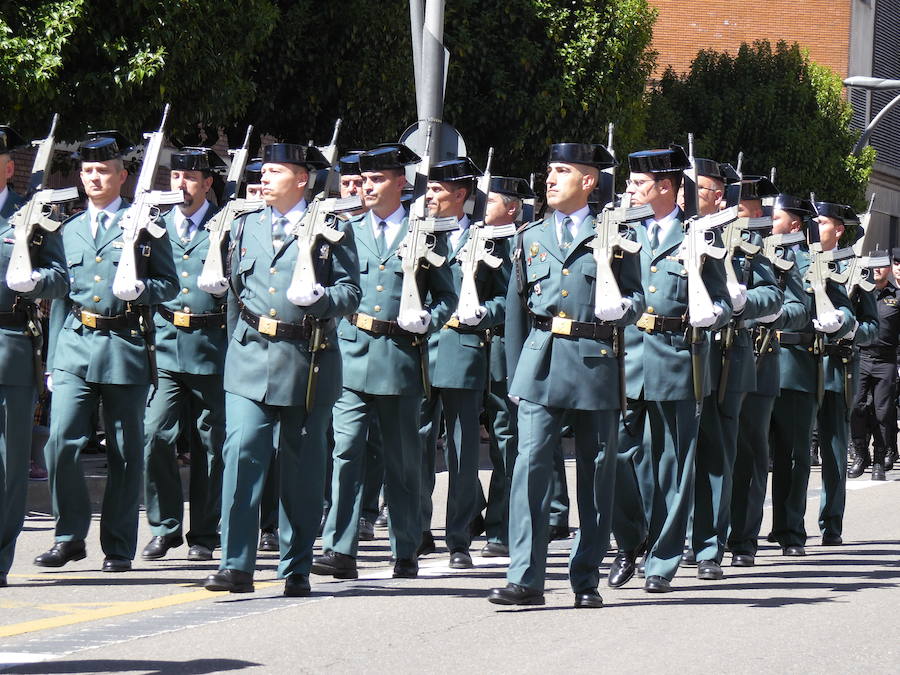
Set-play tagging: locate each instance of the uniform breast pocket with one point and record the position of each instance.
(473, 340)
(535, 273)
(75, 263)
(347, 331)
(676, 284)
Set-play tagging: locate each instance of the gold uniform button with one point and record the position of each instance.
(271, 289)
(381, 267)
(184, 274)
(185, 290)
(809, 349)
(377, 308)
(653, 268)
(652, 289)
(683, 272)
(273, 312)
(186, 309)
(96, 298)
(565, 271)
(98, 259)
(379, 287)
(562, 315)
(602, 352)
(96, 277)
(564, 293)
(809, 290)
(650, 310)
(272, 270)
(185, 257)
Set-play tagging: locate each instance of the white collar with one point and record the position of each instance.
(110, 209)
(294, 215)
(577, 218)
(196, 217)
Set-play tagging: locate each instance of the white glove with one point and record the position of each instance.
(23, 284)
(213, 285)
(738, 293)
(470, 316)
(830, 322)
(129, 293)
(415, 323)
(770, 318)
(514, 399)
(612, 310)
(50, 383)
(707, 320)
(303, 295)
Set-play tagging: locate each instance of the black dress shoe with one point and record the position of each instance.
(476, 527)
(513, 594)
(381, 521)
(621, 569)
(889, 460)
(688, 559)
(709, 570)
(795, 550)
(743, 560)
(198, 552)
(158, 546)
(268, 541)
(461, 560)
(366, 530)
(427, 545)
(297, 586)
(233, 581)
(3, 583)
(878, 472)
(61, 553)
(116, 565)
(771, 538)
(406, 569)
(657, 584)
(334, 564)
(559, 532)
(832, 540)
(585, 599)
(494, 550)
(858, 468)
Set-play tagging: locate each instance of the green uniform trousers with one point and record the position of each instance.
(374, 478)
(716, 451)
(502, 442)
(834, 432)
(655, 481)
(461, 409)
(751, 473)
(72, 418)
(792, 422)
(16, 410)
(532, 490)
(268, 503)
(180, 397)
(249, 448)
(398, 417)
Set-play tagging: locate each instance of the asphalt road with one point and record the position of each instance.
(832, 611)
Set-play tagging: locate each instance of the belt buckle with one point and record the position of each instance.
(647, 322)
(89, 319)
(452, 322)
(364, 321)
(267, 326)
(182, 319)
(561, 326)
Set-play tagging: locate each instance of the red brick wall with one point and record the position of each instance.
(684, 28)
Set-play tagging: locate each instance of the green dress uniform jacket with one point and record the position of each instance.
(17, 374)
(554, 374)
(90, 366)
(383, 377)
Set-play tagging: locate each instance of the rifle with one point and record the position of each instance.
(528, 204)
(142, 215)
(733, 190)
(610, 198)
(773, 249)
(418, 245)
(35, 213)
(220, 224)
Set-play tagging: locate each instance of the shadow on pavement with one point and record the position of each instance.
(194, 667)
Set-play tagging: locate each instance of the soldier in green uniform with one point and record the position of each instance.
(561, 359)
(751, 467)
(190, 352)
(267, 369)
(458, 355)
(382, 373)
(98, 355)
(17, 356)
(755, 295)
(657, 444)
(841, 356)
(802, 374)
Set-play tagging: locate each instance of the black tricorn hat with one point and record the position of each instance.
(307, 156)
(348, 165)
(802, 207)
(895, 253)
(10, 139)
(253, 171)
(879, 258)
(757, 187)
(450, 170)
(196, 159)
(514, 187)
(102, 146)
(729, 173)
(387, 156)
(590, 154)
(708, 168)
(841, 212)
(659, 161)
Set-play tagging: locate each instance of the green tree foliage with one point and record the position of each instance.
(776, 106)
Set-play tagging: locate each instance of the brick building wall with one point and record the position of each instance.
(684, 28)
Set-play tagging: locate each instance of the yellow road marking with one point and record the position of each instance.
(109, 610)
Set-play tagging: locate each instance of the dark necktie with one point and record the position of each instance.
(566, 239)
(186, 233)
(654, 235)
(102, 217)
(381, 239)
(278, 230)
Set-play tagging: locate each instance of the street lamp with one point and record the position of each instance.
(871, 84)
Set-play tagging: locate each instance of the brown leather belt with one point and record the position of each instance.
(653, 323)
(103, 322)
(570, 328)
(184, 320)
(455, 324)
(13, 319)
(787, 338)
(377, 326)
(278, 329)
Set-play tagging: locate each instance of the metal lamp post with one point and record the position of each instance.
(871, 84)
